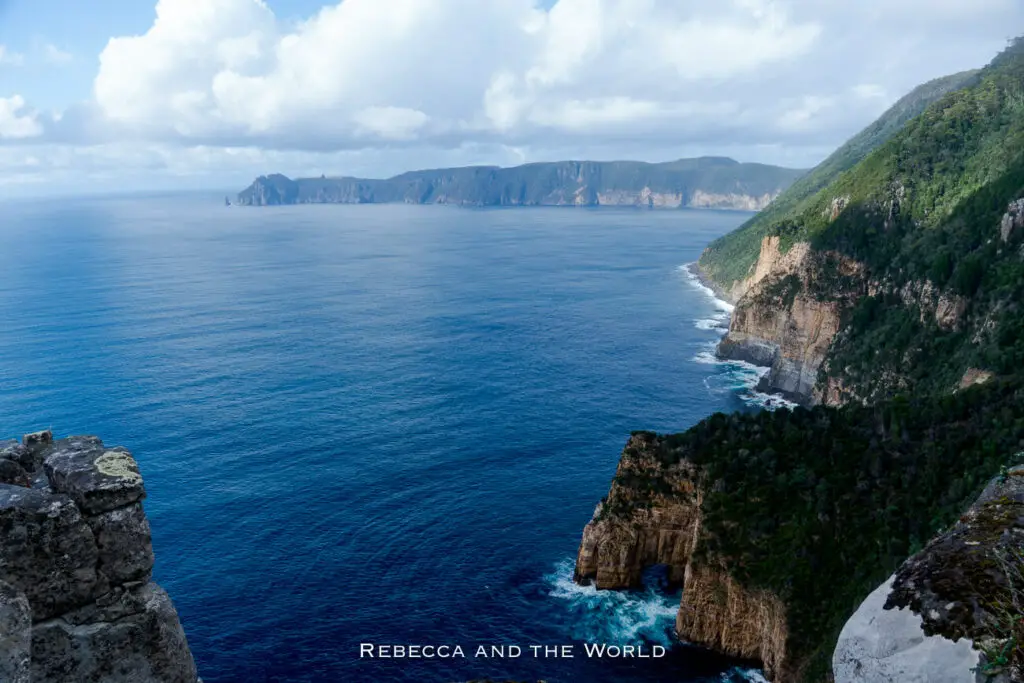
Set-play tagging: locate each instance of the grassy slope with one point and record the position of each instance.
(729, 258)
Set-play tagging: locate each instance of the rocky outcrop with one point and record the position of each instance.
(974, 376)
(652, 516)
(77, 603)
(1013, 221)
(781, 320)
(648, 518)
(951, 606)
(889, 645)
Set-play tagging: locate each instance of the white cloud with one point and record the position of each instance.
(11, 58)
(868, 91)
(15, 121)
(56, 56)
(377, 86)
(405, 69)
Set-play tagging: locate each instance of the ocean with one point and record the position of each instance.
(378, 425)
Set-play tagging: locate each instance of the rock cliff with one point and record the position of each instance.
(786, 318)
(707, 182)
(77, 602)
(953, 612)
(652, 516)
(778, 524)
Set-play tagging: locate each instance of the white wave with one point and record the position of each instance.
(716, 324)
(769, 401)
(615, 616)
(740, 377)
(691, 277)
(751, 675)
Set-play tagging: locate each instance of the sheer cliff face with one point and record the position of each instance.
(794, 308)
(652, 516)
(787, 315)
(699, 183)
(77, 602)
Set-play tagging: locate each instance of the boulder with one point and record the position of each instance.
(944, 607)
(98, 479)
(879, 646)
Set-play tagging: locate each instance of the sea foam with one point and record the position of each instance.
(737, 376)
(615, 616)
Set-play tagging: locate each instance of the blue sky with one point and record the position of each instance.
(134, 94)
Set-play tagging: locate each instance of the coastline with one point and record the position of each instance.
(706, 280)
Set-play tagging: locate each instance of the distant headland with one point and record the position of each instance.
(701, 183)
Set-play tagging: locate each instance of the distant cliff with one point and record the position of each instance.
(777, 525)
(77, 601)
(905, 273)
(706, 183)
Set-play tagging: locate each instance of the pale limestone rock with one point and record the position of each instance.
(880, 646)
(974, 376)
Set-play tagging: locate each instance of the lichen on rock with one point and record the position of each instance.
(77, 602)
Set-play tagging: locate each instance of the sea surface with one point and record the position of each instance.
(372, 424)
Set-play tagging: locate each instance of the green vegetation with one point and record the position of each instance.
(531, 184)
(819, 506)
(1005, 653)
(729, 258)
(927, 206)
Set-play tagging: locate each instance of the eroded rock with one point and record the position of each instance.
(76, 602)
(97, 479)
(133, 636)
(652, 516)
(47, 550)
(15, 635)
(957, 597)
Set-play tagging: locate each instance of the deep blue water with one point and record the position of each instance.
(378, 424)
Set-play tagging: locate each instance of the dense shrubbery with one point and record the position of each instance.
(729, 258)
(821, 505)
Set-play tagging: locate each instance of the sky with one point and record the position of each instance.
(185, 94)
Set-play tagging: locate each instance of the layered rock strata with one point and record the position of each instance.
(933, 620)
(652, 516)
(77, 603)
(782, 322)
